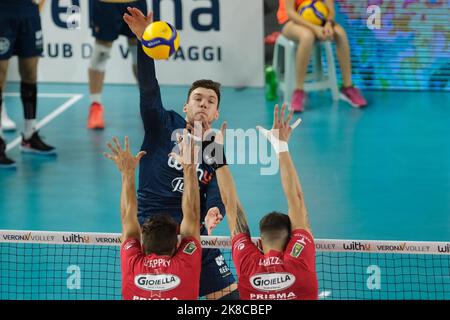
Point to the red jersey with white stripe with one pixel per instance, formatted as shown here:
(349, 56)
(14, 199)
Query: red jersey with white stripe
(156, 277)
(288, 275)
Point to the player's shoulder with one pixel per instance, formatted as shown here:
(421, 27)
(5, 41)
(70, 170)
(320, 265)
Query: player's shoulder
(129, 244)
(174, 121)
(178, 119)
(189, 246)
(300, 246)
(243, 243)
(302, 235)
(240, 237)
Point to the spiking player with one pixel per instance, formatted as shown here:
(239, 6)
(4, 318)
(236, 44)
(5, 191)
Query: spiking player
(161, 179)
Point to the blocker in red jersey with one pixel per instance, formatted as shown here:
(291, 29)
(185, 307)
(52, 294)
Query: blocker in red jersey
(285, 269)
(158, 269)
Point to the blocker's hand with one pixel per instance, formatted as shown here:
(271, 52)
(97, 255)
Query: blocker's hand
(281, 128)
(189, 150)
(124, 160)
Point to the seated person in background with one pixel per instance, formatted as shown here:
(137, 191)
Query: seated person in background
(306, 33)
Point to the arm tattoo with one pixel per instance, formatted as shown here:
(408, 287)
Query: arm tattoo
(241, 222)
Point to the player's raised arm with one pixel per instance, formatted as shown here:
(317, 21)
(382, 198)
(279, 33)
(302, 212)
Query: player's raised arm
(150, 95)
(237, 221)
(127, 163)
(279, 137)
(188, 157)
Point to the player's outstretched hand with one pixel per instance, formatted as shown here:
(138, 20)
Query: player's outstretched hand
(281, 129)
(189, 149)
(124, 160)
(137, 21)
(212, 219)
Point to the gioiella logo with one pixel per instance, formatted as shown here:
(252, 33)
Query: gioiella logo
(157, 282)
(272, 281)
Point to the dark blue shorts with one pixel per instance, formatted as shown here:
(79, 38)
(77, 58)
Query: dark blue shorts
(21, 36)
(216, 274)
(107, 19)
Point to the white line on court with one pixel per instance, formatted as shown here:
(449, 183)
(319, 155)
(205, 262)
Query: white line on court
(42, 95)
(74, 98)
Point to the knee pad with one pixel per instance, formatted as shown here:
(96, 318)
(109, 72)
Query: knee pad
(133, 52)
(99, 57)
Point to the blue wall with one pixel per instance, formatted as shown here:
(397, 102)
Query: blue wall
(411, 49)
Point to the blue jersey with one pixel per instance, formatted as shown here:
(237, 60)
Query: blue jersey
(160, 177)
(18, 8)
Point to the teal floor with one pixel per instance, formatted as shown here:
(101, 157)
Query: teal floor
(378, 173)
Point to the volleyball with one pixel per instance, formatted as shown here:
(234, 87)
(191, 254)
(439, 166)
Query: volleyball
(160, 40)
(313, 11)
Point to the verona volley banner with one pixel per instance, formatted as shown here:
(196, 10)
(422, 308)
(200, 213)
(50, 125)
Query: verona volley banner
(219, 39)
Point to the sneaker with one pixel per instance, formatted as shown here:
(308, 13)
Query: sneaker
(95, 119)
(36, 145)
(7, 124)
(5, 162)
(353, 97)
(298, 100)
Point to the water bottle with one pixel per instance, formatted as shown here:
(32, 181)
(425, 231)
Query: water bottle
(271, 84)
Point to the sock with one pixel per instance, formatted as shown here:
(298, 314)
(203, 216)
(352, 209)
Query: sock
(29, 128)
(96, 97)
(28, 93)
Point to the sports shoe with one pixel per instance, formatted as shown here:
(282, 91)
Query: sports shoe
(353, 97)
(36, 145)
(298, 100)
(5, 162)
(7, 123)
(95, 119)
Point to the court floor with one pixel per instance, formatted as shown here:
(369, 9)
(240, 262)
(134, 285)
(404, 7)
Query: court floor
(380, 173)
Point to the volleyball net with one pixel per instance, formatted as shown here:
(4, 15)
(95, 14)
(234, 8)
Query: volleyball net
(86, 266)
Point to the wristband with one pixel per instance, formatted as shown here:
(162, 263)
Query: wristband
(277, 144)
(282, 147)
